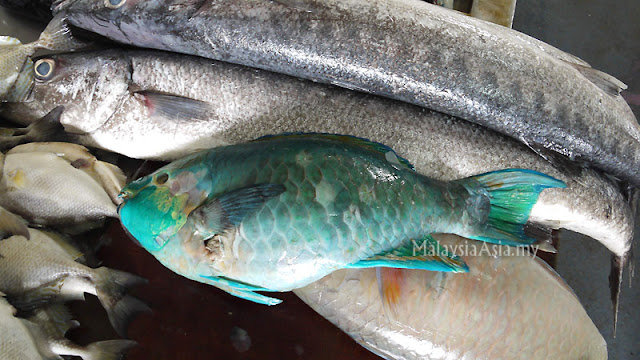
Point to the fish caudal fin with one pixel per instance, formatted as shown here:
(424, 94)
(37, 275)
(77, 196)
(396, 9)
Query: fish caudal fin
(57, 36)
(501, 202)
(108, 350)
(111, 288)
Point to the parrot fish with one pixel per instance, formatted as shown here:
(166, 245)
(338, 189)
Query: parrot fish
(407, 50)
(281, 212)
(509, 305)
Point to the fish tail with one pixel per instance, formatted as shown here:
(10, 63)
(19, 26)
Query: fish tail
(57, 36)
(501, 202)
(48, 128)
(111, 289)
(618, 264)
(108, 350)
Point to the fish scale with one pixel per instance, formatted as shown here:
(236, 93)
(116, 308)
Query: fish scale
(331, 225)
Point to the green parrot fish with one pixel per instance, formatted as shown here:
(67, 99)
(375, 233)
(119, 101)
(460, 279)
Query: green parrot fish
(280, 212)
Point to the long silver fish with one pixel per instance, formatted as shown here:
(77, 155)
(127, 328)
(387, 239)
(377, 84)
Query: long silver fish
(40, 270)
(509, 306)
(404, 49)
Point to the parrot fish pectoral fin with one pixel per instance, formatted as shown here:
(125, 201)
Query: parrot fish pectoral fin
(228, 209)
(426, 254)
(241, 290)
(512, 193)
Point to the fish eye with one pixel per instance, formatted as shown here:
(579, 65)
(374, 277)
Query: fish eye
(43, 69)
(162, 178)
(114, 4)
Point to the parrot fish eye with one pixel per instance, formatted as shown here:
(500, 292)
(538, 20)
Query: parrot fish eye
(43, 69)
(114, 4)
(162, 178)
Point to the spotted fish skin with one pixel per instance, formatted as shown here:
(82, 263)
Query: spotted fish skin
(339, 204)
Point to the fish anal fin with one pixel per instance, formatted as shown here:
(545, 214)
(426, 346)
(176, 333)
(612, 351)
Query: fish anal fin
(426, 254)
(605, 82)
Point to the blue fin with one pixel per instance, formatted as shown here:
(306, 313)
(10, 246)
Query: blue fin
(427, 254)
(241, 290)
(511, 194)
(376, 147)
(228, 209)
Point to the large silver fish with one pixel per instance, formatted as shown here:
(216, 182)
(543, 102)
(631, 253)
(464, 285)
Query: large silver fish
(155, 105)
(404, 49)
(16, 342)
(41, 270)
(506, 307)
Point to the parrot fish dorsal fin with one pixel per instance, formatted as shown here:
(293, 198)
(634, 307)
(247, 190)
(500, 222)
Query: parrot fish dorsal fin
(383, 150)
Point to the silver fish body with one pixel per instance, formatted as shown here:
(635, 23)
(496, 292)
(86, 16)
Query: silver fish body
(40, 270)
(506, 307)
(53, 188)
(16, 342)
(237, 104)
(404, 49)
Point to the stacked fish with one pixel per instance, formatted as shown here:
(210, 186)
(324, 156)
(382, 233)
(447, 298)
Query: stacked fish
(40, 269)
(316, 212)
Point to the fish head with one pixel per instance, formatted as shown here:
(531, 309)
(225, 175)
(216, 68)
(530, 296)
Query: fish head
(90, 88)
(155, 207)
(127, 21)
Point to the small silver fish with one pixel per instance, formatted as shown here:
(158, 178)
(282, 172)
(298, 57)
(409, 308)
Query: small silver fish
(59, 184)
(40, 271)
(508, 306)
(16, 66)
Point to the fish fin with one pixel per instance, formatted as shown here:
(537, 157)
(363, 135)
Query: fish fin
(57, 315)
(511, 194)
(544, 236)
(57, 36)
(111, 287)
(429, 255)
(21, 89)
(390, 285)
(228, 209)
(108, 350)
(383, 150)
(12, 224)
(241, 290)
(112, 179)
(9, 41)
(618, 264)
(35, 298)
(48, 128)
(174, 107)
(605, 82)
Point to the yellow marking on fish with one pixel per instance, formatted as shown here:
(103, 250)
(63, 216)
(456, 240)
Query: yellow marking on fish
(18, 179)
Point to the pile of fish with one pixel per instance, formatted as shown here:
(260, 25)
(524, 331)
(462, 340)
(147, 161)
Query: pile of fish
(319, 147)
